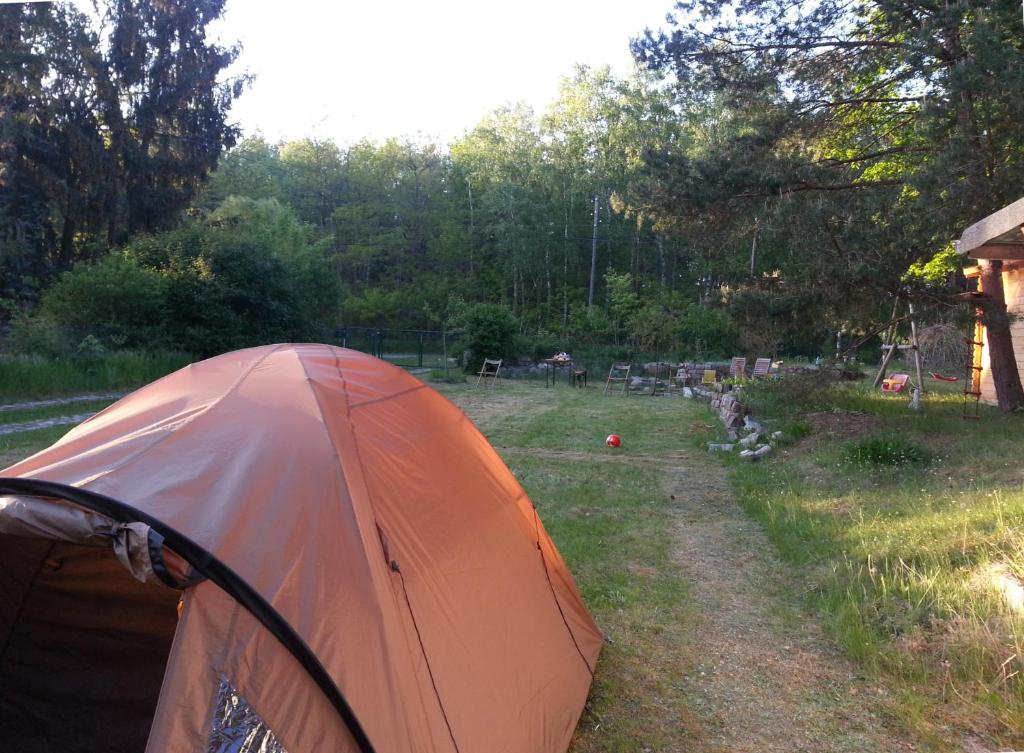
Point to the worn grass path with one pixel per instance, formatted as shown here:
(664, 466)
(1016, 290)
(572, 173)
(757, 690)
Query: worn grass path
(721, 656)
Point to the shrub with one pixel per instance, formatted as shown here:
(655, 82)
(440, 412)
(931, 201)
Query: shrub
(788, 394)
(114, 296)
(708, 332)
(545, 344)
(944, 348)
(885, 451)
(489, 332)
(246, 275)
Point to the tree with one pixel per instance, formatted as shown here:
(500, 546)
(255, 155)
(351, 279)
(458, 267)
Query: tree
(110, 124)
(863, 136)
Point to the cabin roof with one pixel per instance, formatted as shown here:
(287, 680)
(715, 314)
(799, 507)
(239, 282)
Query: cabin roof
(998, 236)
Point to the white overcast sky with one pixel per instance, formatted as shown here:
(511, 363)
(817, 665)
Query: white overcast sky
(429, 69)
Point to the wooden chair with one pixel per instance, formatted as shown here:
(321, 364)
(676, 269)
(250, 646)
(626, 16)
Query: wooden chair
(619, 372)
(491, 369)
(579, 378)
(710, 377)
(762, 367)
(738, 368)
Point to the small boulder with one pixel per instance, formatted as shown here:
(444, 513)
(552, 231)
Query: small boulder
(750, 440)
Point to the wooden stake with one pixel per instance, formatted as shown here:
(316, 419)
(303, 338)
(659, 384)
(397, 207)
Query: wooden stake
(891, 334)
(917, 350)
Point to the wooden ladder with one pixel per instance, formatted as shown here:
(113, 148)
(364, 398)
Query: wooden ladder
(972, 382)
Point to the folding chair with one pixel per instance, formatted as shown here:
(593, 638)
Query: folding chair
(490, 370)
(762, 367)
(680, 378)
(738, 367)
(619, 372)
(710, 377)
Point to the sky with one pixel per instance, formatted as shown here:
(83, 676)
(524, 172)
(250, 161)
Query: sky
(429, 70)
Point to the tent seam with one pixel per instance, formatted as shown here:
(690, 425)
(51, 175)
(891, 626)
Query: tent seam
(362, 472)
(554, 595)
(381, 399)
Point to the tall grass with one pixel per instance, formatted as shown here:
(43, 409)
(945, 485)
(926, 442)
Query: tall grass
(916, 567)
(34, 377)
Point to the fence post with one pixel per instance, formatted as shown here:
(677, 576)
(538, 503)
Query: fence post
(380, 343)
(420, 354)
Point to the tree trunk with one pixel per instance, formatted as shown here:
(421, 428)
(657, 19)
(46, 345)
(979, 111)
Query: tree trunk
(472, 232)
(565, 266)
(1003, 361)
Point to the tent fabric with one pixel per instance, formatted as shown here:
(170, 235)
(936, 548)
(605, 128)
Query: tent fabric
(73, 622)
(375, 519)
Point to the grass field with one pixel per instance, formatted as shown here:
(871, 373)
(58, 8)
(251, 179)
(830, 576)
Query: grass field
(32, 377)
(916, 565)
(712, 638)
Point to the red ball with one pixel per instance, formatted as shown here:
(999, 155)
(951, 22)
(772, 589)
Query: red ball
(613, 440)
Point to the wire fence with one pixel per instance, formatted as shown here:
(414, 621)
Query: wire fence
(409, 348)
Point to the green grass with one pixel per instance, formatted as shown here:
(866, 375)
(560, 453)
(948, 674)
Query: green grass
(908, 557)
(33, 377)
(611, 522)
(885, 451)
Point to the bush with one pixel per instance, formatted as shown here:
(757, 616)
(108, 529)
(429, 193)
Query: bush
(944, 348)
(885, 451)
(489, 331)
(545, 344)
(115, 294)
(708, 333)
(789, 394)
(247, 275)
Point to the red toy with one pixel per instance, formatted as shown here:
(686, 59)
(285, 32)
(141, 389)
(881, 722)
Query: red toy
(613, 440)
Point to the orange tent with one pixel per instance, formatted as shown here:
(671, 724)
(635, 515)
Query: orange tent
(327, 556)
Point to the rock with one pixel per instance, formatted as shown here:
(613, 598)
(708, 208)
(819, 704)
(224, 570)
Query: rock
(733, 435)
(754, 455)
(777, 435)
(720, 447)
(687, 393)
(750, 440)
(752, 424)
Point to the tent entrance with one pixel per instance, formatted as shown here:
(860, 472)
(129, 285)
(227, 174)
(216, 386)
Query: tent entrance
(83, 649)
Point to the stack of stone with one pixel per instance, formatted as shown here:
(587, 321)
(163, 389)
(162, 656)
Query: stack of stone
(730, 410)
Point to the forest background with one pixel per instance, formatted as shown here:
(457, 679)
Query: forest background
(772, 173)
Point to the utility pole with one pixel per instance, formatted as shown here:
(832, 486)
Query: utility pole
(593, 260)
(753, 249)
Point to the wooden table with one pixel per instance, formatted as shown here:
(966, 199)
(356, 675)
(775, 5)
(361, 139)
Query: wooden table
(556, 363)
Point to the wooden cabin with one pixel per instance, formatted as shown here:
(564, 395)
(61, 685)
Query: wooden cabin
(998, 236)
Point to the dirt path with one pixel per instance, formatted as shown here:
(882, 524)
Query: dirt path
(60, 401)
(43, 423)
(762, 676)
(769, 679)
